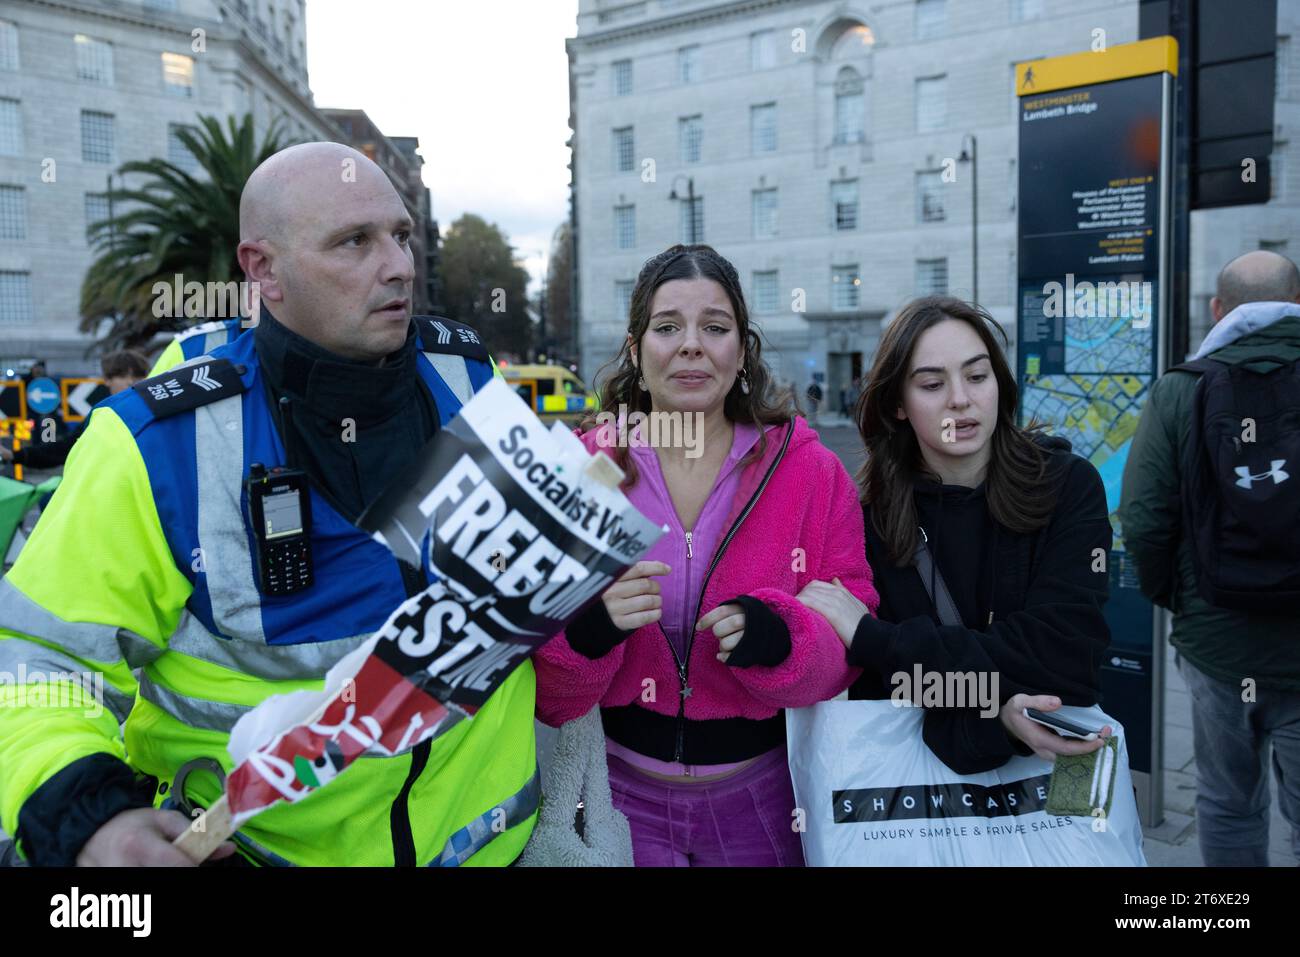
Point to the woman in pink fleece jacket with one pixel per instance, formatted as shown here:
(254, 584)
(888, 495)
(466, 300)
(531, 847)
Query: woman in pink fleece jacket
(694, 653)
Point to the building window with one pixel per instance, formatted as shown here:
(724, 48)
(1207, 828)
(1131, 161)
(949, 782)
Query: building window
(764, 205)
(94, 60)
(625, 226)
(846, 283)
(13, 213)
(762, 128)
(931, 19)
(178, 74)
(844, 204)
(178, 154)
(931, 104)
(766, 296)
(1277, 172)
(929, 197)
(850, 105)
(15, 297)
(1282, 69)
(1273, 246)
(688, 64)
(622, 299)
(11, 128)
(690, 138)
(96, 210)
(1026, 9)
(762, 49)
(853, 43)
(932, 277)
(691, 220)
(624, 157)
(622, 77)
(8, 45)
(96, 137)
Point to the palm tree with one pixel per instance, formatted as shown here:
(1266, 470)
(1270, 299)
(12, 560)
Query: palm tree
(174, 223)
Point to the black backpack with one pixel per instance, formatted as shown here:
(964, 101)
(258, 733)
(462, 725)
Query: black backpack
(1241, 485)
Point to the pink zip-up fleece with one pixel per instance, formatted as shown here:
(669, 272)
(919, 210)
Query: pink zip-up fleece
(806, 524)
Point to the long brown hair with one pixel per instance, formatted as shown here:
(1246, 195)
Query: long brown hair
(1020, 496)
(764, 405)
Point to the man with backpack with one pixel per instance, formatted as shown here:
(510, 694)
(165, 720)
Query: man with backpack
(1211, 516)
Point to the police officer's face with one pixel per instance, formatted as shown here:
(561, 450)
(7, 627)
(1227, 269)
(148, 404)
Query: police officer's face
(345, 273)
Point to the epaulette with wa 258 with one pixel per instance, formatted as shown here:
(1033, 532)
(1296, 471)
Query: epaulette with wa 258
(198, 382)
(438, 334)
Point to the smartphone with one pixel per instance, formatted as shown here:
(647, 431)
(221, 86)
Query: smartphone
(1062, 726)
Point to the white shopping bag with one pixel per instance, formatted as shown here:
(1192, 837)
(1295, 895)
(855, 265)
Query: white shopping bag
(875, 795)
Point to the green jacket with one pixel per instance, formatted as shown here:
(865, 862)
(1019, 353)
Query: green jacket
(1227, 645)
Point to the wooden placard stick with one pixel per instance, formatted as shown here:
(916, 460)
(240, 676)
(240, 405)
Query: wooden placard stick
(214, 826)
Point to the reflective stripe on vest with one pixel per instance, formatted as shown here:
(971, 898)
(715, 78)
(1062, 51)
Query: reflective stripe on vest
(195, 712)
(203, 338)
(216, 338)
(90, 642)
(300, 662)
(454, 372)
(480, 832)
(223, 541)
(461, 846)
(94, 642)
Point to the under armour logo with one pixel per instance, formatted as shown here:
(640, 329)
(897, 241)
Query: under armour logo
(204, 381)
(444, 334)
(468, 335)
(1275, 473)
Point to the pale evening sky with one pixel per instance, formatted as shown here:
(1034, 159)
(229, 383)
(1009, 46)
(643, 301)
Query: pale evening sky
(485, 87)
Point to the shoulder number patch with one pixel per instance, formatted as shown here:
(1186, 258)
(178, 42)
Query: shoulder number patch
(200, 382)
(448, 336)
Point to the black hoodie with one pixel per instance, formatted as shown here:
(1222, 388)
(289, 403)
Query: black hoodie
(1031, 607)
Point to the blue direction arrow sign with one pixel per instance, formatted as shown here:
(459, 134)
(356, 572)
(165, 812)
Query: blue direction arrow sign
(42, 395)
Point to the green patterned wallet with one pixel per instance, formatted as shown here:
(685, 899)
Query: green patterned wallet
(1081, 783)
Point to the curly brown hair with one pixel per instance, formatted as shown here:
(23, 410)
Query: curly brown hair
(765, 404)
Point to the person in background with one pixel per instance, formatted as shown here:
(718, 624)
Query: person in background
(121, 370)
(815, 395)
(695, 651)
(1015, 524)
(1222, 652)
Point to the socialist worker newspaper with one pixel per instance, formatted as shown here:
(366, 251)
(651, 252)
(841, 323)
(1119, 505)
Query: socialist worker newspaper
(518, 533)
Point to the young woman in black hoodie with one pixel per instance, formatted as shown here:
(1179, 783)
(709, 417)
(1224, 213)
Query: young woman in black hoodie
(1018, 528)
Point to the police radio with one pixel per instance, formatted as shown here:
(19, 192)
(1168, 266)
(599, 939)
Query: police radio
(280, 506)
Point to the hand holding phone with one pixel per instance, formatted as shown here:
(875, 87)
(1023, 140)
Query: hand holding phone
(1063, 726)
(1044, 739)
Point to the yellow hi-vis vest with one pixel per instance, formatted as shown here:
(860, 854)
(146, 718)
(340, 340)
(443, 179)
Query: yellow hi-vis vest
(141, 564)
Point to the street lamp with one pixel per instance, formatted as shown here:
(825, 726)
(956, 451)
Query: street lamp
(969, 156)
(690, 200)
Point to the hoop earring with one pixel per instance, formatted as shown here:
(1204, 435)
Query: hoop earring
(744, 383)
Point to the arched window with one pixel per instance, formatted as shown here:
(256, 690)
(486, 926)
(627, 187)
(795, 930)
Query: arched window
(850, 105)
(853, 43)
